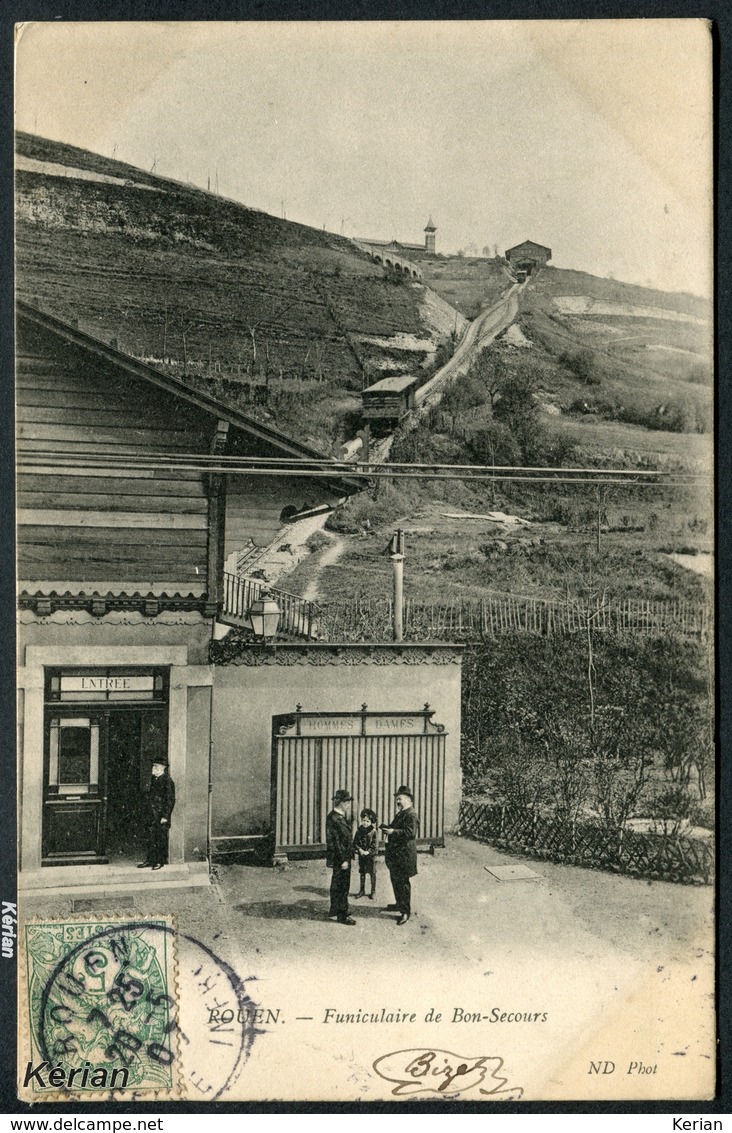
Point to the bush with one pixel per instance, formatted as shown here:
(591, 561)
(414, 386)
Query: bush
(581, 364)
(421, 445)
(702, 814)
(495, 444)
(462, 395)
(678, 415)
(559, 511)
(670, 805)
(555, 450)
(317, 541)
(383, 504)
(454, 560)
(519, 412)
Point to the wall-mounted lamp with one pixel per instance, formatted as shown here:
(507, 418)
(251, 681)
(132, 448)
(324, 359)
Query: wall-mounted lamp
(264, 614)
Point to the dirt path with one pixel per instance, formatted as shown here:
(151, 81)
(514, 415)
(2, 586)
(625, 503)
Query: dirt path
(550, 975)
(603, 967)
(328, 556)
(700, 564)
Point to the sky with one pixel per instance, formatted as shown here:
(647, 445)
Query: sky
(592, 137)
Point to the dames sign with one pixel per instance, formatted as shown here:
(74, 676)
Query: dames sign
(362, 724)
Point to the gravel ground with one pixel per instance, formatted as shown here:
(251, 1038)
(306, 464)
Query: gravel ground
(605, 967)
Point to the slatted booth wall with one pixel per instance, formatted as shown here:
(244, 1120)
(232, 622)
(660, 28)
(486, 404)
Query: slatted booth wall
(368, 753)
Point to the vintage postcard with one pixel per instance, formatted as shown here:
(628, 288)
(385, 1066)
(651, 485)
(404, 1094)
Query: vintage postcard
(365, 532)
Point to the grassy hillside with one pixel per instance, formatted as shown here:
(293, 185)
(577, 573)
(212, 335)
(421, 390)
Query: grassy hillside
(468, 283)
(636, 361)
(456, 552)
(585, 405)
(563, 281)
(260, 308)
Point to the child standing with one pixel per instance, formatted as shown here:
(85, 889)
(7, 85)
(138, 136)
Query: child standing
(365, 845)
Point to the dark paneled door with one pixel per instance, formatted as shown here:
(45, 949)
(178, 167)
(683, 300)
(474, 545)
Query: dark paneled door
(97, 771)
(134, 741)
(73, 809)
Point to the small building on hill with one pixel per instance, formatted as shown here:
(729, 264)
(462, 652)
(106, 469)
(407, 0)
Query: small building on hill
(528, 256)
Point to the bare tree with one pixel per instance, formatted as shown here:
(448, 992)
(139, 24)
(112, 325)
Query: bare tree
(185, 331)
(490, 369)
(165, 331)
(265, 321)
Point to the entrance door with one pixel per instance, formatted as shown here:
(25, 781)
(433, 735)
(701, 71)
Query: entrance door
(98, 769)
(73, 819)
(135, 739)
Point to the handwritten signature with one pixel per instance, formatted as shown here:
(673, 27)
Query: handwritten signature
(441, 1072)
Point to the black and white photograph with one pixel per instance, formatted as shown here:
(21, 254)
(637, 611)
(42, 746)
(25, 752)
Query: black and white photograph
(365, 561)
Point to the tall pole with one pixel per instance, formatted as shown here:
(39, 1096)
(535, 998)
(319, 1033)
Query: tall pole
(398, 561)
(397, 558)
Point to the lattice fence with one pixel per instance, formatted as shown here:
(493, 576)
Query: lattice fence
(371, 619)
(640, 853)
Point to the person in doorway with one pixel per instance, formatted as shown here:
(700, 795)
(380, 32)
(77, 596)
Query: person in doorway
(401, 853)
(160, 801)
(365, 845)
(339, 851)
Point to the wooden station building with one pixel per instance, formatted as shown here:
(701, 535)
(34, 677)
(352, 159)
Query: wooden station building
(528, 256)
(123, 532)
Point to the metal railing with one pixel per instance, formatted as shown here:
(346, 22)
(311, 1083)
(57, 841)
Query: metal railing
(297, 616)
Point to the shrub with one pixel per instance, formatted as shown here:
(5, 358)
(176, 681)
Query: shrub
(421, 445)
(518, 410)
(581, 364)
(555, 450)
(702, 814)
(559, 511)
(317, 541)
(462, 395)
(495, 444)
(383, 504)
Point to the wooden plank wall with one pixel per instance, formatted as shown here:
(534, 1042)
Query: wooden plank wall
(106, 529)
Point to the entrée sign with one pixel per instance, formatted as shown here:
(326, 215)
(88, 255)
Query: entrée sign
(132, 683)
(360, 725)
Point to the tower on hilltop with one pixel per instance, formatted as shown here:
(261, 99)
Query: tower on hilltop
(429, 236)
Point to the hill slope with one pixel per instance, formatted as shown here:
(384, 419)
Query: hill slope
(284, 319)
(621, 365)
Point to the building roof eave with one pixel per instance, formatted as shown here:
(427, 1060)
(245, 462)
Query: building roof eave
(287, 446)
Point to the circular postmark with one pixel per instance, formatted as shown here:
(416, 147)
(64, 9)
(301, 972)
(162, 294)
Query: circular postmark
(126, 1009)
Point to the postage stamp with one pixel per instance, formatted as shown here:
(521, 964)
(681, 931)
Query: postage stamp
(105, 1015)
(101, 999)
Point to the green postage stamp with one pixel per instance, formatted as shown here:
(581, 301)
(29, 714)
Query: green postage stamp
(100, 997)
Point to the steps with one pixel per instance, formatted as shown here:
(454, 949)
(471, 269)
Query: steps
(109, 880)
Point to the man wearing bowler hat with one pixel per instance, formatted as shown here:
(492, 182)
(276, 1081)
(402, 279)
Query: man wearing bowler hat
(401, 853)
(339, 850)
(160, 803)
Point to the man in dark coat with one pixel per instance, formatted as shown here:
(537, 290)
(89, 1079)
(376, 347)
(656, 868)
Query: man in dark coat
(339, 851)
(160, 801)
(401, 853)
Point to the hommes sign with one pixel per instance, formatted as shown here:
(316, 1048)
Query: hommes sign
(358, 725)
(362, 723)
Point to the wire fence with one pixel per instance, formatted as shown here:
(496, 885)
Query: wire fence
(662, 856)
